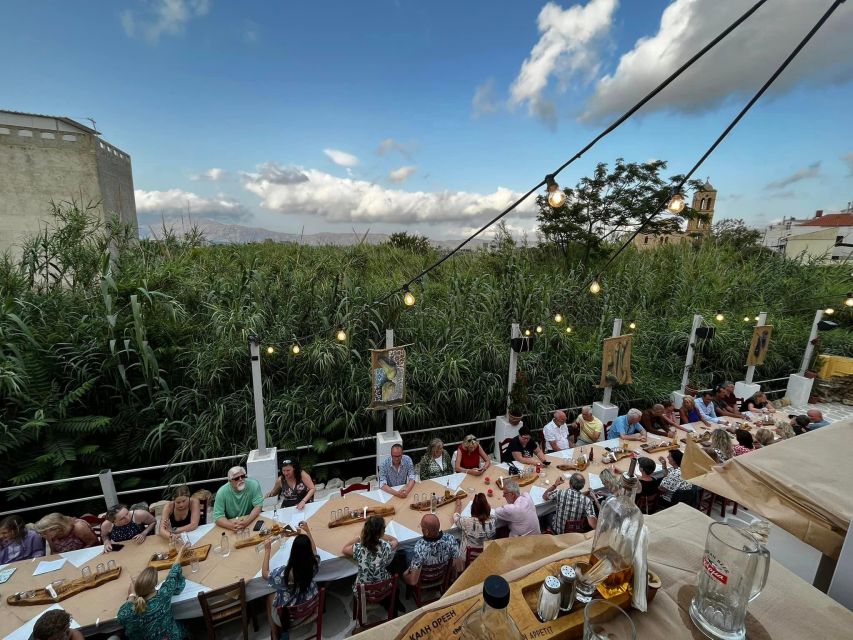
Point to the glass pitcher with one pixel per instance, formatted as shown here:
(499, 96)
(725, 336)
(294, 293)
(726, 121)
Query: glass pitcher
(734, 572)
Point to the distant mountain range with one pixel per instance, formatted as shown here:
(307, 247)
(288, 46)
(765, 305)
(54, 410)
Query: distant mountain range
(221, 233)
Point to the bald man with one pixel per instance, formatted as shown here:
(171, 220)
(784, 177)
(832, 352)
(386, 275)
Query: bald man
(436, 547)
(556, 433)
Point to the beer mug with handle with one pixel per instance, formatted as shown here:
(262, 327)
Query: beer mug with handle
(734, 571)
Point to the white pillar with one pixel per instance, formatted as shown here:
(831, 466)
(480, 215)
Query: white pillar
(807, 356)
(261, 463)
(688, 361)
(108, 487)
(603, 410)
(258, 394)
(750, 371)
(503, 429)
(515, 332)
(389, 413)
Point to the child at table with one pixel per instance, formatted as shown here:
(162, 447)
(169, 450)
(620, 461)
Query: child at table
(17, 542)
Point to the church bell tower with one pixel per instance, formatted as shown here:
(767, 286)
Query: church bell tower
(703, 202)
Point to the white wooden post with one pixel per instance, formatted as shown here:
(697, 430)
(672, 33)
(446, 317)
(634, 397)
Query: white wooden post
(108, 488)
(258, 394)
(389, 413)
(807, 356)
(515, 332)
(603, 410)
(688, 361)
(617, 331)
(750, 371)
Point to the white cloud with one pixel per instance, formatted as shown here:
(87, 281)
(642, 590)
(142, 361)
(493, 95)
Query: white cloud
(179, 202)
(567, 50)
(348, 200)
(251, 32)
(160, 17)
(402, 174)
(485, 99)
(214, 174)
(811, 171)
(341, 158)
(737, 66)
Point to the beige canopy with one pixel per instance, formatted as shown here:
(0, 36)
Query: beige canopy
(803, 485)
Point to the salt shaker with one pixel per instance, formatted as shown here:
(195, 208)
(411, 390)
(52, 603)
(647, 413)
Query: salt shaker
(567, 587)
(548, 607)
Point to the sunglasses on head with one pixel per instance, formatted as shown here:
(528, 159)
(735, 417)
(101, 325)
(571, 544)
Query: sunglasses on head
(243, 477)
(284, 463)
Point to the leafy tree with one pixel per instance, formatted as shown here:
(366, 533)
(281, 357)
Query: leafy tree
(609, 204)
(414, 242)
(735, 233)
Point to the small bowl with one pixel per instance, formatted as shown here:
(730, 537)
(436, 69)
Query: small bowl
(652, 587)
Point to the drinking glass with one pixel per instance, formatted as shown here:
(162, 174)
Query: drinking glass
(603, 620)
(340, 513)
(334, 515)
(416, 499)
(347, 512)
(194, 563)
(734, 572)
(584, 591)
(111, 565)
(86, 572)
(99, 568)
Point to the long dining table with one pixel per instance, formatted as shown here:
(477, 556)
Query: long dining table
(96, 609)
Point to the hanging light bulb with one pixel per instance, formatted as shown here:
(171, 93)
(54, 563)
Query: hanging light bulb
(527, 332)
(341, 336)
(829, 311)
(295, 349)
(849, 300)
(719, 317)
(408, 298)
(556, 196)
(676, 204)
(746, 318)
(756, 318)
(568, 329)
(633, 325)
(558, 318)
(595, 287)
(270, 350)
(538, 328)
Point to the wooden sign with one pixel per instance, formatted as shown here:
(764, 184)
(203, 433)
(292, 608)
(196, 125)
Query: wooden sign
(616, 361)
(759, 345)
(387, 377)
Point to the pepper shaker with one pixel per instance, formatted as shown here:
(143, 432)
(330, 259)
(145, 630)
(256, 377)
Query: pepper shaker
(567, 588)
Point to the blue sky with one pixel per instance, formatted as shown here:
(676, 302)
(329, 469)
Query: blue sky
(274, 114)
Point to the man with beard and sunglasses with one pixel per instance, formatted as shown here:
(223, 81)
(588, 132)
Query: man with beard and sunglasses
(238, 503)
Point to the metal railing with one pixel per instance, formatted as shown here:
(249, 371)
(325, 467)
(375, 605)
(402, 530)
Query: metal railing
(327, 463)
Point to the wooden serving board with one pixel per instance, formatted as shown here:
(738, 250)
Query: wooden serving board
(358, 516)
(660, 447)
(523, 479)
(70, 588)
(199, 553)
(625, 453)
(285, 532)
(444, 623)
(425, 506)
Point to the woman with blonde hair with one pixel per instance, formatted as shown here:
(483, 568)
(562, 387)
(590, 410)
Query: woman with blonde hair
(764, 437)
(470, 457)
(181, 514)
(721, 445)
(435, 462)
(147, 614)
(65, 533)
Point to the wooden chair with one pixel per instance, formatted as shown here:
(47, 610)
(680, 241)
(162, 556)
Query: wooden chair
(432, 577)
(374, 593)
(95, 523)
(301, 615)
(707, 500)
(225, 604)
(354, 487)
(471, 554)
(502, 447)
(647, 504)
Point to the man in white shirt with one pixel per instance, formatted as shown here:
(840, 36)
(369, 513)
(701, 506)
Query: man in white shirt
(556, 433)
(519, 512)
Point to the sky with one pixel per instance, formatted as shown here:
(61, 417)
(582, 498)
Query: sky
(431, 117)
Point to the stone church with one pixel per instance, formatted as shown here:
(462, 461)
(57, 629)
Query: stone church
(703, 201)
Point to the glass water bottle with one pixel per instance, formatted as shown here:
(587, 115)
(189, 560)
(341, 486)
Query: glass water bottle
(492, 621)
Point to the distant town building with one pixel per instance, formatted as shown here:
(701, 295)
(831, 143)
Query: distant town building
(44, 158)
(703, 201)
(828, 236)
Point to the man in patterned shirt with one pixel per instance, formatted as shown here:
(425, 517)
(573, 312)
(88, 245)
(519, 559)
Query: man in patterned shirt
(436, 547)
(571, 503)
(672, 481)
(397, 470)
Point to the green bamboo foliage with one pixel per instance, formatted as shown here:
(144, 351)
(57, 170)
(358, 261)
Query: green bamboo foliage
(142, 358)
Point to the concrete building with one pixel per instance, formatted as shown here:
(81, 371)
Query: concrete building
(703, 200)
(827, 236)
(44, 158)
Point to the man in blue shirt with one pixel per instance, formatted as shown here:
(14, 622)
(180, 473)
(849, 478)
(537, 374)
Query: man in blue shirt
(397, 470)
(628, 427)
(705, 407)
(816, 418)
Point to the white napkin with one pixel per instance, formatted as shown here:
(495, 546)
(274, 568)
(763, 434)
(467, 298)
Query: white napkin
(453, 480)
(190, 592)
(537, 494)
(82, 556)
(613, 443)
(46, 566)
(379, 495)
(199, 533)
(26, 630)
(595, 482)
(400, 532)
(565, 454)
